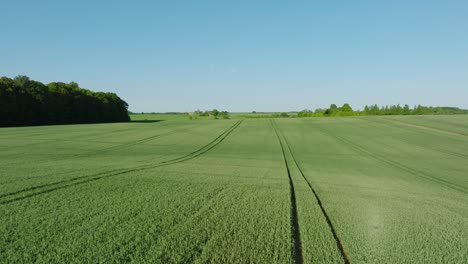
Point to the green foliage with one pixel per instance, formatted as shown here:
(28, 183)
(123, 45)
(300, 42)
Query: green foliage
(406, 110)
(224, 115)
(305, 113)
(347, 110)
(27, 102)
(213, 114)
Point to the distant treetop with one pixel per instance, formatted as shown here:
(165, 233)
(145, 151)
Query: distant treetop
(346, 110)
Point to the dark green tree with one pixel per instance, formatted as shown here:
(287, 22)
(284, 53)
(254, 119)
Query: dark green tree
(27, 102)
(346, 108)
(214, 113)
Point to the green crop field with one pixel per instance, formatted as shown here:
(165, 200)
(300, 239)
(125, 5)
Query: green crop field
(294, 190)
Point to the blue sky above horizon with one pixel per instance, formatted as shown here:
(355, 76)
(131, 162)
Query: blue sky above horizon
(244, 55)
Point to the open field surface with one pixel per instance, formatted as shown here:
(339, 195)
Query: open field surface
(158, 117)
(319, 190)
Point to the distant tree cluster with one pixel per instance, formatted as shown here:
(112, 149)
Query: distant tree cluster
(26, 102)
(346, 110)
(333, 110)
(281, 115)
(157, 113)
(215, 114)
(406, 110)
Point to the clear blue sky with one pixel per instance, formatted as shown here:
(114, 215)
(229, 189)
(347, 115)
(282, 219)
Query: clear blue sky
(244, 55)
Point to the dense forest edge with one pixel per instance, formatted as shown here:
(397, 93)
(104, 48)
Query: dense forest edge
(25, 102)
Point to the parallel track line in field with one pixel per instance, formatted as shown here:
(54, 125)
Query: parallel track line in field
(338, 241)
(105, 172)
(23, 179)
(406, 168)
(398, 165)
(428, 128)
(120, 146)
(32, 188)
(103, 175)
(67, 138)
(449, 152)
(135, 142)
(444, 151)
(70, 139)
(124, 145)
(295, 232)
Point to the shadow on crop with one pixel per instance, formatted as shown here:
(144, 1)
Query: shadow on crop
(145, 121)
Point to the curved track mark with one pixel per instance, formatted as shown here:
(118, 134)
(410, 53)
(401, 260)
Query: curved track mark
(444, 151)
(103, 175)
(132, 143)
(428, 128)
(398, 165)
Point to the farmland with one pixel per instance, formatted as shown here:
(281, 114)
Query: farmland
(309, 190)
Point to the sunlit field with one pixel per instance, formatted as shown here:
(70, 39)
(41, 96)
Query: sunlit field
(328, 190)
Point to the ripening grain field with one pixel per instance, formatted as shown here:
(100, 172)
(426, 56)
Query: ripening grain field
(320, 190)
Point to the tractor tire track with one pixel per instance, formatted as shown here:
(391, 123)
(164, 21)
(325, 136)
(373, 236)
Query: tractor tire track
(207, 147)
(81, 137)
(415, 172)
(32, 188)
(107, 174)
(405, 128)
(444, 151)
(128, 144)
(428, 128)
(124, 145)
(67, 138)
(338, 241)
(295, 232)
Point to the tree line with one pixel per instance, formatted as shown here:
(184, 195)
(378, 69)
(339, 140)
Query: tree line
(197, 114)
(347, 110)
(25, 102)
(215, 114)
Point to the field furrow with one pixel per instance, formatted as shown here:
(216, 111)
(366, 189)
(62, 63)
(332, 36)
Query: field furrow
(295, 231)
(285, 190)
(339, 243)
(321, 219)
(398, 165)
(429, 128)
(382, 210)
(50, 187)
